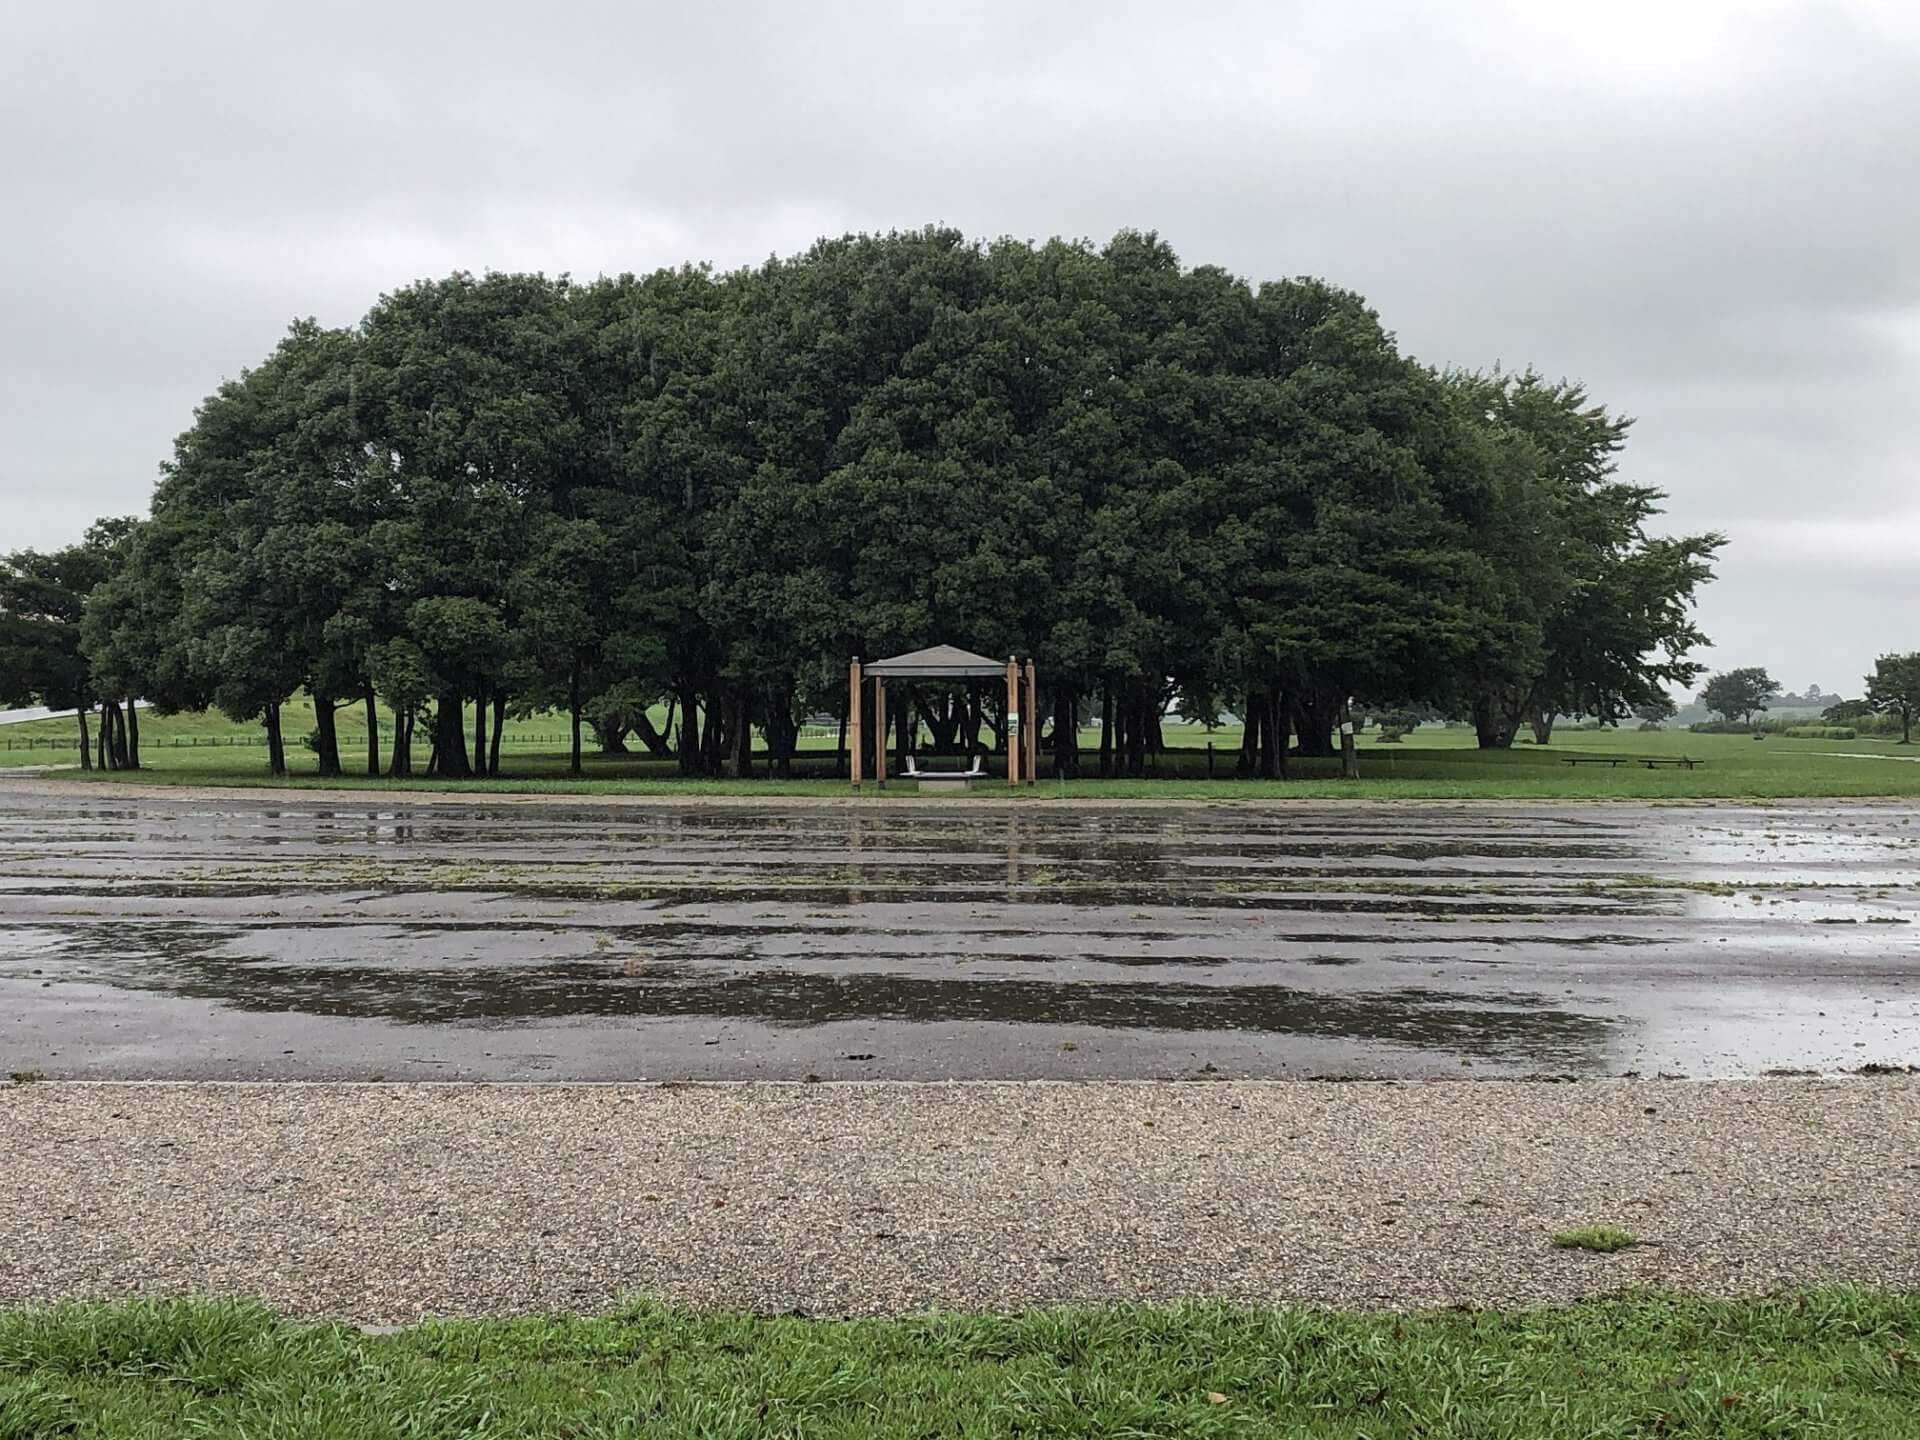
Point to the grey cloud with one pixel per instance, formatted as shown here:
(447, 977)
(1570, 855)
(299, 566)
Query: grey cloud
(1706, 211)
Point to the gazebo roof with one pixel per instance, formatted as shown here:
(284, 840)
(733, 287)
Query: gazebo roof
(938, 662)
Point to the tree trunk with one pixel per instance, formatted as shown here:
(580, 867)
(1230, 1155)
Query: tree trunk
(689, 738)
(1314, 708)
(373, 731)
(1131, 740)
(840, 770)
(783, 736)
(480, 733)
(402, 764)
(327, 734)
(499, 729)
(1349, 753)
(743, 737)
(133, 738)
(86, 740)
(112, 746)
(276, 747)
(573, 710)
(1491, 727)
(1281, 712)
(943, 724)
(1106, 732)
(654, 740)
(1263, 705)
(450, 739)
(1066, 735)
(1542, 723)
(713, 755)
(903, 728)
(104, 740)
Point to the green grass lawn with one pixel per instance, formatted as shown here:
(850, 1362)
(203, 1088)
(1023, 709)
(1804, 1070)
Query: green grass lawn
(1431, 763)
(1839, 1364)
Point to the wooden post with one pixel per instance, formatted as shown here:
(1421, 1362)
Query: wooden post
(854, 752)
(880, 731)
(1031, 772)
(1015, 740)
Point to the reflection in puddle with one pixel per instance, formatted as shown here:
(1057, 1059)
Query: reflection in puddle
(1559, 939)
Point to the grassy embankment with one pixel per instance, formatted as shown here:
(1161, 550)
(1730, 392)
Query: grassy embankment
(1432, 763)
(1839, 1364)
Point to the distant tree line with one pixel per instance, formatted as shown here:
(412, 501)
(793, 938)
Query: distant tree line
(1892, 699)
(508, 493)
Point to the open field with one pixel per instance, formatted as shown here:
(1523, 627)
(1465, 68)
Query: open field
(1828, 1363)
(1432, 763)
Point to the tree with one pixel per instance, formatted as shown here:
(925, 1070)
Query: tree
(43, 598)
(1656, 710)
(1894, 687)
(1848, 712)
(711, 489)
(1596, 612)
(1739, 695)
(562, 594)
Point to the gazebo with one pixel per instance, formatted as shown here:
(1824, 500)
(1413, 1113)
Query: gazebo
(942, 662)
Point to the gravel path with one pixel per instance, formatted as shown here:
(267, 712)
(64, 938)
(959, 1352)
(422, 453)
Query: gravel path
(384, 1203)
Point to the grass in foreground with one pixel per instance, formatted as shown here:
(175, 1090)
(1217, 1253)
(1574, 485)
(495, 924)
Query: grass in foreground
(1823, 1364)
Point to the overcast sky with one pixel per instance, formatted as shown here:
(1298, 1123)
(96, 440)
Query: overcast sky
(1709, 212)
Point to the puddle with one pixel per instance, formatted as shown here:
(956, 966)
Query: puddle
(188, 938)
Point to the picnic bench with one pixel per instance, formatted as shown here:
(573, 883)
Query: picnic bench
(935, 781)
(1652, 762)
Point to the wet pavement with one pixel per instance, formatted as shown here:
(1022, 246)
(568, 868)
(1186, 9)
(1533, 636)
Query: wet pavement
(169, 935)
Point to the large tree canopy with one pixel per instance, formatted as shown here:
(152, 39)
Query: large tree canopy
(1166, 485)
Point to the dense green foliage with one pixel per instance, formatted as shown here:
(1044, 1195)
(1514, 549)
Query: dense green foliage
(1738, 695)
(1166, 485)
(43, 599)
(1894, 687)
(1836, 1364)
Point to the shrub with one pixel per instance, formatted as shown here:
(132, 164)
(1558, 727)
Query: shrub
(1651, 725)
(1822, 732)
(1604, 1239)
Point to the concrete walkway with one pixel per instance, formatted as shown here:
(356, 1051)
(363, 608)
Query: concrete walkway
(384, 1203)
